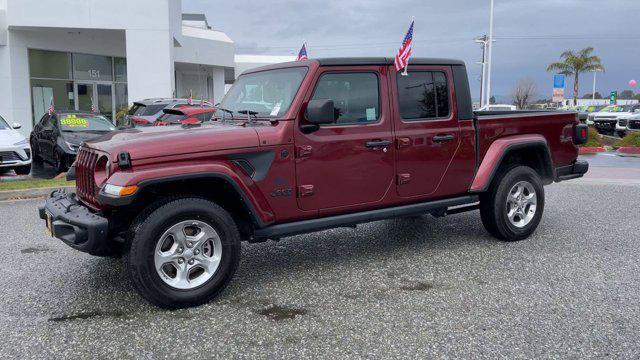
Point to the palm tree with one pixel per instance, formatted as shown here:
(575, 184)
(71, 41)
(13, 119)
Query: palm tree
(573, 64)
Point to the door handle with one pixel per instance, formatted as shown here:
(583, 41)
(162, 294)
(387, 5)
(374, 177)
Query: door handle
(442, 138)
(378, 143)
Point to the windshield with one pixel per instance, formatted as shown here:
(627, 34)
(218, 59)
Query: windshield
(616, 108)
(142, 110)
(3, 124)
(85, 122)
(269, 93)
(171, 118)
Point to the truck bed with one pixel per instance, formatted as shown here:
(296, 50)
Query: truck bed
(555, 126)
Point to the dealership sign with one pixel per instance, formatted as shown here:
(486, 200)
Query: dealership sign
(558, 88)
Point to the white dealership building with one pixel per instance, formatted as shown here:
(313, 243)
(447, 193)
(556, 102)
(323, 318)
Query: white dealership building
(108, 53)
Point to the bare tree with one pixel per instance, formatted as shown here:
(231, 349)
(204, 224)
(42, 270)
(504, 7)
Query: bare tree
(523, 92)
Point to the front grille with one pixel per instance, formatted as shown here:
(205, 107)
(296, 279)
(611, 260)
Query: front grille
(634, 124)
(86, 187)
(9, 156)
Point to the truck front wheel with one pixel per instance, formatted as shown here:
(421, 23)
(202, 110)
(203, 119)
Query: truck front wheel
(512, 207)
(183, 253)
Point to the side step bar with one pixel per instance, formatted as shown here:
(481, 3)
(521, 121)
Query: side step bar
(330, 222)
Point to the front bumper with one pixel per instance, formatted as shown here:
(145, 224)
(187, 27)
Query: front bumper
(573, 171)
(11, 157)
(74, 224)
(605, 124)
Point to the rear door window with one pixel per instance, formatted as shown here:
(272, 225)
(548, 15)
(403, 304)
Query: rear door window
(423, 95)
(355, 96)
(145, 110)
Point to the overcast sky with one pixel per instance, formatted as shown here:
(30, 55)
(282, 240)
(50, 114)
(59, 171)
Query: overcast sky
(444, 28)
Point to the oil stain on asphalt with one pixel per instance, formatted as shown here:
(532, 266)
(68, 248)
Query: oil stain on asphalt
(417, 286)
(279, 313)
(33, 250)
(88, 315)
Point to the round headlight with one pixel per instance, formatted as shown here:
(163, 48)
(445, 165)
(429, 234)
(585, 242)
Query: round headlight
(101, 172)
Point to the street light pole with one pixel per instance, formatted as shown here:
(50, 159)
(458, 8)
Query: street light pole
(483, 40)
(593, 93)
(490, 50)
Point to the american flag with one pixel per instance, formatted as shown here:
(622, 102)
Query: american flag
(94, 109)
(51, 108)
(302, 54)
(402, 58)
(190, 100)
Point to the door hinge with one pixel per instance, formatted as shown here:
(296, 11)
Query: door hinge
(303, 151)
(305, 190)
(403, 178)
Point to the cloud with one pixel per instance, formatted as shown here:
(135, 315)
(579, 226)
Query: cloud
(538, 32)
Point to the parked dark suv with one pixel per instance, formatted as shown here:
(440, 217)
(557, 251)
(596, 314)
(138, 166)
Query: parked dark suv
(56, 137)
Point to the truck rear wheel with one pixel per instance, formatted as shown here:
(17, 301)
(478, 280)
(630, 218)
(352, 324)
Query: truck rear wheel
(512, 207)
(183, 253)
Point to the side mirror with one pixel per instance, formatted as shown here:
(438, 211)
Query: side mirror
(320, 112)
(17, 125)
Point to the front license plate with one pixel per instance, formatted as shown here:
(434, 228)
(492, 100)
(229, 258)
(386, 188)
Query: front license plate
(49, 225)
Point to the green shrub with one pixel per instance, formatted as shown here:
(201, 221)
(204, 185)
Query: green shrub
(632, 139)
(594, 138)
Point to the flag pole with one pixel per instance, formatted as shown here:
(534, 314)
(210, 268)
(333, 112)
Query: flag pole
(404, 72)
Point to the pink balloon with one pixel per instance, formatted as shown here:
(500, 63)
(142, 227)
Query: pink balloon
(632, 83)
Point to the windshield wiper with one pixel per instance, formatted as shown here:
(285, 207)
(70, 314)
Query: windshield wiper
(249, 113)
(227, 111)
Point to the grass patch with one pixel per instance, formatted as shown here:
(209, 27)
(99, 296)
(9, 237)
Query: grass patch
(32, 184)
(631, 140)
(594, 138)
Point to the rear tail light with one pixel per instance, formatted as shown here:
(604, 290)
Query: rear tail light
(580, 134)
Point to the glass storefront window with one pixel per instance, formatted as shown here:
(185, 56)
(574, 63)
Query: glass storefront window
(122, 101)
(92, 67)
(49, 64)
(43, 90)
(120, 69)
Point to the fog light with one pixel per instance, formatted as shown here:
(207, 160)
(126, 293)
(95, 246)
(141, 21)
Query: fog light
(116, 190)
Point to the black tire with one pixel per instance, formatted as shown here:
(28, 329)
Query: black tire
(35, 153)
(147, 230)
(493, 204)
(59, 161)
(621, 134)
(22, 170)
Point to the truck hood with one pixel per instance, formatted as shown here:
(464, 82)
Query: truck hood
(157, 141)
(612, 114)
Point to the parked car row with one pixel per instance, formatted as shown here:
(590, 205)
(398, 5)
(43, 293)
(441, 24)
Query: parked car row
(613, 119)
(609, 119)
(57, 136)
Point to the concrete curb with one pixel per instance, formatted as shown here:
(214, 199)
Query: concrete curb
(628, 151)
(30, 193)
(591, 150)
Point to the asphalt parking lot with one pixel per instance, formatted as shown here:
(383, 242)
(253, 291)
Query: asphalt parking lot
(398, 288)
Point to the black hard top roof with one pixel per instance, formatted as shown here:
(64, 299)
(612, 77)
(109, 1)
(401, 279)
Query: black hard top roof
(384, 61)
(350, 61)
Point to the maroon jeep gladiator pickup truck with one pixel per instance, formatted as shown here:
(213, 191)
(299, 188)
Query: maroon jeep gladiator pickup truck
(307, 146)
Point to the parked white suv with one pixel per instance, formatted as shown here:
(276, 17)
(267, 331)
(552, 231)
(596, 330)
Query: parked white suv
(606, 120)
(15, 152)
